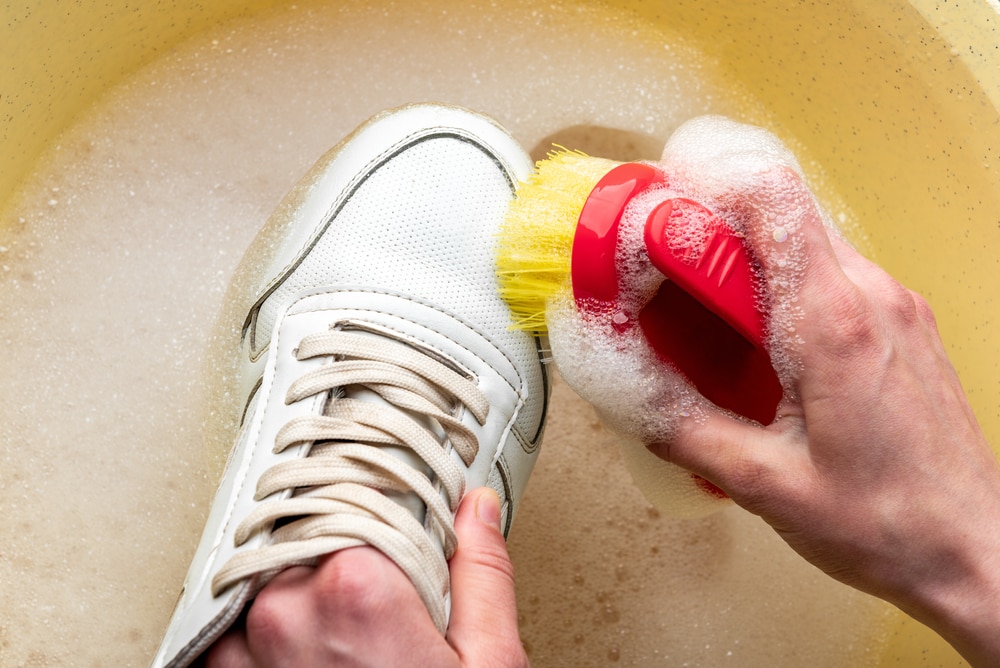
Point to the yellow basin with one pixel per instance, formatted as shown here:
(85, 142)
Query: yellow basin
(892, 108)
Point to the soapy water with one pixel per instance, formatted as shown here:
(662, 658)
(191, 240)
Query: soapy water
(746, 177)
(114, 262)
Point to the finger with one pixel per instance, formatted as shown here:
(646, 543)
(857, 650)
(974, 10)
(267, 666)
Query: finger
(814, 307)
(484, 611)
(745, 461)
(230, 651)
(785, 229)
(875, 281)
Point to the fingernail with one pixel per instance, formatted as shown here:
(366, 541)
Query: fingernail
(488, 508)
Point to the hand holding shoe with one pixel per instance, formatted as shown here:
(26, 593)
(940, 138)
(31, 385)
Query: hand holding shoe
(357, 608)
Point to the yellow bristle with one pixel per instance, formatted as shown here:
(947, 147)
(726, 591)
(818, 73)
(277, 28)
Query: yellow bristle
(536, 239)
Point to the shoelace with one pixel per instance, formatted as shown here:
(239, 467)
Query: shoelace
(335, 497)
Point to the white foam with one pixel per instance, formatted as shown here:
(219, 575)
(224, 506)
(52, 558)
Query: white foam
(635, 395)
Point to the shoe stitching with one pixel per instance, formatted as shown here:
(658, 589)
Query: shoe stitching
(529, 446)
(252, 442)
(503, 472)
(345, 194)
(363, 309)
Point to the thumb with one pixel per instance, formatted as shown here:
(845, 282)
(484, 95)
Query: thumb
(743, 460)
(483, 628)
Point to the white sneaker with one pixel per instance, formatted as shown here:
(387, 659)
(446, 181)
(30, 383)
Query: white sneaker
(380, 373)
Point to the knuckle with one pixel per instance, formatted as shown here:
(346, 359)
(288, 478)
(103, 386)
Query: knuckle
(266, 621)
(923, 310)
(760, 477)
(852, 323)
(751, 483)
(749, 478)
(901, 304)
(348, 585)
(492, 558)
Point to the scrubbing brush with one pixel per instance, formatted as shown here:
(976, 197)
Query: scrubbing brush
(610, 251)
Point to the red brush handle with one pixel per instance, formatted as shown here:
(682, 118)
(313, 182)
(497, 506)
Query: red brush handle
(596, 240)
(717, 272)
(704, 319)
